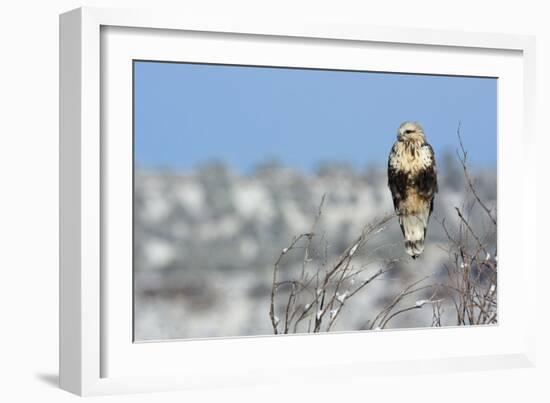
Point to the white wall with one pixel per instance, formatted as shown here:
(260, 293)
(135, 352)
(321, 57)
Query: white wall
(29, 186)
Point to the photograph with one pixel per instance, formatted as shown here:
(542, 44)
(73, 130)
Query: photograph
(273, 200)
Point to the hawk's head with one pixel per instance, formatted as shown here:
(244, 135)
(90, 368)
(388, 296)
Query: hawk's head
(410, 131)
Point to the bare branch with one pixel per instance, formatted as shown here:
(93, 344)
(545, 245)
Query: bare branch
(462, 158)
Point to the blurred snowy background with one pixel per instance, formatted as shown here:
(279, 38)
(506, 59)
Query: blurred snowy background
(206, 241)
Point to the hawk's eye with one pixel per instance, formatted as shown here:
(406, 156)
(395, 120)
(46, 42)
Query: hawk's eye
(408, 131)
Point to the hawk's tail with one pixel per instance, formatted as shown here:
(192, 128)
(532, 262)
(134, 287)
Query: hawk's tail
(414, 248)
(414, 231)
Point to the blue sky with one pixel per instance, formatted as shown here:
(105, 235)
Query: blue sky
(190, 114)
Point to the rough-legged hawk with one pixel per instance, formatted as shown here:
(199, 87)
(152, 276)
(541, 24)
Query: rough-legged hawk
(412, 179)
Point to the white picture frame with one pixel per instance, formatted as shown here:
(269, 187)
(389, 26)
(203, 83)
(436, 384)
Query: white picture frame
(97, 353)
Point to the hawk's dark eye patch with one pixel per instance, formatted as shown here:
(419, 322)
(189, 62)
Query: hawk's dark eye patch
(409, 131)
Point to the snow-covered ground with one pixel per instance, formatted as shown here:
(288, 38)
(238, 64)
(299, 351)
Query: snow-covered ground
(206, 242)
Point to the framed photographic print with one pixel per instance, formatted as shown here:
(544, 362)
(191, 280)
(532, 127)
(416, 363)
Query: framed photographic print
(245, 202)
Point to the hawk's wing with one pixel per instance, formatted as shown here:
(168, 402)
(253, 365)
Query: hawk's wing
(397, 181)
(426, 181)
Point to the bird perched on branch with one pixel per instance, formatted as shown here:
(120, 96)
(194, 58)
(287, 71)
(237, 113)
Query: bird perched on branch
(412, 179)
